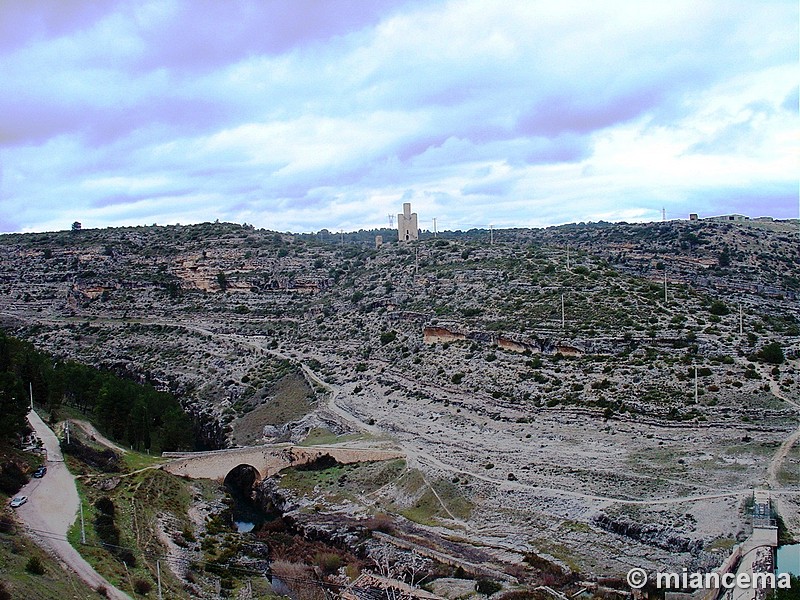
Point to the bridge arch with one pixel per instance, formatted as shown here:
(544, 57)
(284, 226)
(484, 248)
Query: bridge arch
(242, 479)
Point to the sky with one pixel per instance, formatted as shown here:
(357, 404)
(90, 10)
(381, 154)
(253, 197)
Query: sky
(298, 115)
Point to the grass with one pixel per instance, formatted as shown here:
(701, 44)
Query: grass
(321, 436)
(560, 553)
(575, 526)
(134, 461)
(343, 481)
(425, 508)
(726, 543)
(15, 551)
(138, 500)
(288, 399)
(352, 482)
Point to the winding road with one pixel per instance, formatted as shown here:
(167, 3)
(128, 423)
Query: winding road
(52, 508)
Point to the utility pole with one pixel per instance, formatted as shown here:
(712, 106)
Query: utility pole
(695, 384)
(30, 383)
(416, 260)
(563, 318)
(665, 282)
(391, 221)
(83, 526)
(491, 235)
(434, 227)
(158, 572)
(741, 320)
(663, 214)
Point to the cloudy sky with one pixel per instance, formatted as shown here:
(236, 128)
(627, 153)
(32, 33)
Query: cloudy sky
(297, 115)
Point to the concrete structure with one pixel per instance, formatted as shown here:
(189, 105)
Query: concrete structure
(754, 555)
(407, 227)
(378, 241)
(268, 459)
(729, 218)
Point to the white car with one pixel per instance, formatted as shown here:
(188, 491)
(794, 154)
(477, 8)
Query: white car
(18, 501)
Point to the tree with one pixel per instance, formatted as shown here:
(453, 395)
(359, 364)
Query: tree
(724, 258)
(222, 281)
(718, 308)
(772, 353)
(13, 405)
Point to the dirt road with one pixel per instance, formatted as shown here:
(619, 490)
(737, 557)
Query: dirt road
(98, 437)
(53, 506)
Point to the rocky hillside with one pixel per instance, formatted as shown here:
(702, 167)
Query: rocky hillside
(613, 361)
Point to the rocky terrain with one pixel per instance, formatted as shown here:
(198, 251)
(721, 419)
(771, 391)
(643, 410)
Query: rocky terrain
(599, 395)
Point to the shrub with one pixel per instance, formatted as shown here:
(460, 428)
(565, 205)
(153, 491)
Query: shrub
(34, 566)
(142, 587)
(4, 593)
(487, 586)
(105, 506)
(457, 378)
(329, 562)
(718, 308)
(11, 478)
(6, 524)
(772, 353)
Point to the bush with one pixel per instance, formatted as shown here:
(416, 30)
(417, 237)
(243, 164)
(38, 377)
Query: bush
(487, 586)
(4, 593)
(718, 308)
(772, 353)
(388, 337)
(457, 378)
(11, 478)
(329, 562)
(34, 566)
(6, 524)
(105, 506)
(142, 587)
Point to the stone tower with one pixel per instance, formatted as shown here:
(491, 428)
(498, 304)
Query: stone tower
(407, 228)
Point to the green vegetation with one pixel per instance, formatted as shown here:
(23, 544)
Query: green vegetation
(133, 414)
(772, 353)
(121, 524)
(29, 572)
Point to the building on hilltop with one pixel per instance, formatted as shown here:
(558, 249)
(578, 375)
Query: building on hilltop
(725, 218)
(407, 228)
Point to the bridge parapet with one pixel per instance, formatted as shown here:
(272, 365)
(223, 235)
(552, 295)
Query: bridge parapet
(268, 459)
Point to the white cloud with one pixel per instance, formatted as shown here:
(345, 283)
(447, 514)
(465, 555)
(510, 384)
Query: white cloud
(521, 113)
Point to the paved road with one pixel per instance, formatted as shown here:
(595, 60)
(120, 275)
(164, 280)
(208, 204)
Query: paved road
(53, 506)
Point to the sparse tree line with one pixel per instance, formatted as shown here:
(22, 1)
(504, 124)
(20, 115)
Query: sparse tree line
(133, 414)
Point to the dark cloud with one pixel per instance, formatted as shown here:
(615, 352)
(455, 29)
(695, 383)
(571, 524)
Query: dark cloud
(205, 34)
(36, 20)
(585, 113)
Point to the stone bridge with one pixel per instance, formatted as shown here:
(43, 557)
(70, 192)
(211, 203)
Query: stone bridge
(267, 460)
